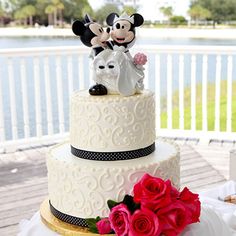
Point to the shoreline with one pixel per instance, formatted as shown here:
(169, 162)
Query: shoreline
(142, 32)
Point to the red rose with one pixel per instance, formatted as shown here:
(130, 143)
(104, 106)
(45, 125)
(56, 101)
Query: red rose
(144, 222)
(119, 218)
(152, 192)
(192, 203)
(104, 226)
(173, 218)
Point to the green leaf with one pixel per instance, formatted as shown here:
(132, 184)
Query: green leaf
(92, 224)
(129, 202)
(111, 204)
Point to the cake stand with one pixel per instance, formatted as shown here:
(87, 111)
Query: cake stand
(61, 227)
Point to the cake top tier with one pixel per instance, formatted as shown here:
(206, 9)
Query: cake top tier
(115, 71)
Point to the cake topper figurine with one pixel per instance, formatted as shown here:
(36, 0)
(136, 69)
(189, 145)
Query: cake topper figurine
(115, 71)
(92, 35)
(123, 28)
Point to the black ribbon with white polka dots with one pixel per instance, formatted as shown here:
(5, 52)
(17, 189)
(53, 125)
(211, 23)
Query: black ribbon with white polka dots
(67, 218)
(113, 156)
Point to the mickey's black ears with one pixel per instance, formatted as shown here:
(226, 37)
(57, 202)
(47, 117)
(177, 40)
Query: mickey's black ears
(78, 28)
(110, 18)
(138, 19)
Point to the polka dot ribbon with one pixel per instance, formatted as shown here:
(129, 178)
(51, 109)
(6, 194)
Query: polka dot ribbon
(67, 218)
(113, 156)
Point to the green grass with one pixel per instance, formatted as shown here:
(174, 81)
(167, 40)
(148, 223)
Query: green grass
(210, 108)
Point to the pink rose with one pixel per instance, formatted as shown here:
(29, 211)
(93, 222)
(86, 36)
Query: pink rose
(144, 222)
(173, 218)
(119, 218)
(152, 192)
(192, 203)
(140, 59)
(104, 226)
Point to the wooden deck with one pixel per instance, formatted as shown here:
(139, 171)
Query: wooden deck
(23, 178)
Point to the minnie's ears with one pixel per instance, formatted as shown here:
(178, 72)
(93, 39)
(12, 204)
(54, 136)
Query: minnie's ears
(78, 28)
(138, 19)
(110, 18)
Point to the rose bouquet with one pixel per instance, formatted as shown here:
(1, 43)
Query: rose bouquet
(156, 208)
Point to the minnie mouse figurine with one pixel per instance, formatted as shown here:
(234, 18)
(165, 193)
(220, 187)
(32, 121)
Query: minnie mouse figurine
(123, 28)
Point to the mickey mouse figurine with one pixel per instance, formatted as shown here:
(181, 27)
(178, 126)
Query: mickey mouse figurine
(92, 35)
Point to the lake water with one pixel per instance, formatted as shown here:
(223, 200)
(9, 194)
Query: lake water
(19, 42)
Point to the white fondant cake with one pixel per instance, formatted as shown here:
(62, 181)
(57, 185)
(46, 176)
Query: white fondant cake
(112, 123)
(81, 188)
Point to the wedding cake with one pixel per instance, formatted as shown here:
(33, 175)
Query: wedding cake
(112, 130)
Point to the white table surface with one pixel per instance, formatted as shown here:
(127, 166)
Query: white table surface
(217, 217)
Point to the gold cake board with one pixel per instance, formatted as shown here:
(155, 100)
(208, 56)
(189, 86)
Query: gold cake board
(59, 226)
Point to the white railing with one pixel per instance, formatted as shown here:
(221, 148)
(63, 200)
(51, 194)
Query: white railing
(36, 83)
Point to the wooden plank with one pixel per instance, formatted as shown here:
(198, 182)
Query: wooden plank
(189, 172)
(204, 182)
(9, 230)
(21, 190)
(33, 181)
(14, 215)
(19, 203)
(15, 220)
(198, 176)
(28, 193)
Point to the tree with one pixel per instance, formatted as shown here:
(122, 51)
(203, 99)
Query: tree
(104, 11)
(220, 9)
(20, 16)
(178, 20)
(76, 9)
(130, 10)
(2, 14)
(167, 12)
(29, 11)
(52, 10)
(23, 10)
(197, 12)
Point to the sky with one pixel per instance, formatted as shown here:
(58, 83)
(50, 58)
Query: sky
(149, 8)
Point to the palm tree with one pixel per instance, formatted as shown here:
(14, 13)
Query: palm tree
(2, 14)
(52, 9)
(20, 16)
(167, 11)
(29, 11)
(198, 12)
(49, 10)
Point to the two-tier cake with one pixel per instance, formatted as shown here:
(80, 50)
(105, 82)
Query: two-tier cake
(112, 130)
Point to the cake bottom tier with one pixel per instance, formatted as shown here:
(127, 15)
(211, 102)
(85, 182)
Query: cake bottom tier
(80, 188)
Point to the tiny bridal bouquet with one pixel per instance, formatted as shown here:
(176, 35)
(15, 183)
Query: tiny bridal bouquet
(156, 208)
